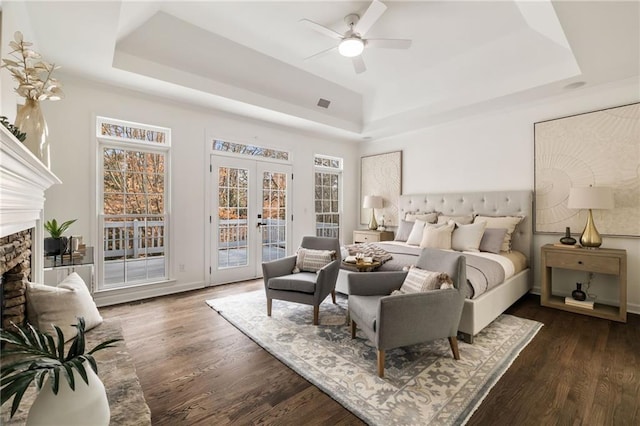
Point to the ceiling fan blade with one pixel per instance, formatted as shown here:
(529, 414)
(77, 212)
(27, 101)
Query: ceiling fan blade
(322, 29)
(373, 13)
(321, 53)
(358, 64)
(389, 43)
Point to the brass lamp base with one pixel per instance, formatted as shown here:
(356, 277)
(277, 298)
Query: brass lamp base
(590, 236)
(373, 224)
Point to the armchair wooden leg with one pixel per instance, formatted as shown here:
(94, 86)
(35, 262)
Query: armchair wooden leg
(316, 313)
(353, 329)
(380, 363)
(333, 296)
(269, 307)
(453, 342)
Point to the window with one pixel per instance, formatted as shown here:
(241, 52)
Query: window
(250, 150)
(133, 203)
(328, 192)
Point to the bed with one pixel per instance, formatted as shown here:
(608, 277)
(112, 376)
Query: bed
(479, 309)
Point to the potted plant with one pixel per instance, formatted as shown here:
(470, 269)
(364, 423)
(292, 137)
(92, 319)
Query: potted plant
(56, 244)
(69, 390)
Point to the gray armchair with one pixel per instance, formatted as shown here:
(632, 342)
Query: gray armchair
(309, 288)
(403, 320)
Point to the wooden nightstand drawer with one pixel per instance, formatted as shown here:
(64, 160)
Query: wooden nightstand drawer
(372, 236)
(584, 262)
(363, 237)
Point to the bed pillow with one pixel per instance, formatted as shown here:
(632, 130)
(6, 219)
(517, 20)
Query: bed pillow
(427, 217)
(420, 280)
(310, 260)
(416, 232)
(492, 240)
(61, 305)
(437, 236)
(507, 222)
(468, 237)
(403, 231)
(460, 219)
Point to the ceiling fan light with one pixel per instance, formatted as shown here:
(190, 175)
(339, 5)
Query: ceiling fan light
(351, 47)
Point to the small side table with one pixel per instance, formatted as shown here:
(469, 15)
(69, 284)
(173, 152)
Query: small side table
(602, 261)
(56, 268)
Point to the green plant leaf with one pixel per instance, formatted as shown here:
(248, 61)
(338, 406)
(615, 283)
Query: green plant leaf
(55, 380)
(16, 387)
(106, 344)
(83, 372)
(51, 344)
(66, 225)
(70, 379)
(60, 342)
(40, 376)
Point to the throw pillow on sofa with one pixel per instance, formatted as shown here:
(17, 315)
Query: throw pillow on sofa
(61, 305)
(421, 280)
(310, 260)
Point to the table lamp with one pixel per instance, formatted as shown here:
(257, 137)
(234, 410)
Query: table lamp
(372, 202)
(590, 198)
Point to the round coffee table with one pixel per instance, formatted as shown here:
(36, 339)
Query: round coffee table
(362, 266)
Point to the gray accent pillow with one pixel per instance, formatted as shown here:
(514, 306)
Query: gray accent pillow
(402, 234)
(492, 240)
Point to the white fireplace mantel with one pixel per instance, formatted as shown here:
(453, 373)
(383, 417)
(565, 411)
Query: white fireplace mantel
(23, 180)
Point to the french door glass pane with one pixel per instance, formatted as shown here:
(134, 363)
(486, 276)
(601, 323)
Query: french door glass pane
(274, 201)
(233, 191)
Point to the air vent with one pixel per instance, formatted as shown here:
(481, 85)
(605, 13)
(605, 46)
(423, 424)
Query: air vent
(323, 103)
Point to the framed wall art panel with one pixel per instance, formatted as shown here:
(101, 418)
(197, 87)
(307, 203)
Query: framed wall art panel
(381, 174)
(600, 148)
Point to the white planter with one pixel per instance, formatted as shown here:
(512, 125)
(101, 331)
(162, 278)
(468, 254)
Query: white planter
(87, 405)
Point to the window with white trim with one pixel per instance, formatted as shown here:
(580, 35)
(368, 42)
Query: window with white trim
(133, 203)
(328, 195)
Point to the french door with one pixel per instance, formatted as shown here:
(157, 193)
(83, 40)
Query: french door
(250, 217)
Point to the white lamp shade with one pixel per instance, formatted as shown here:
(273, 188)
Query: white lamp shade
(372, 202)
(590, 198)
(351, 47)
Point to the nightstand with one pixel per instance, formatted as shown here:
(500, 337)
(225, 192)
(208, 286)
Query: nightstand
(367, 236)
(601, 261)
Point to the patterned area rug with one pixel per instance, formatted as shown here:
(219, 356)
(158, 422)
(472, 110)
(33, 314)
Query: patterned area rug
(423, 384)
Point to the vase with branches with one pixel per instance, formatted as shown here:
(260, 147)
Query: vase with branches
(35, 83)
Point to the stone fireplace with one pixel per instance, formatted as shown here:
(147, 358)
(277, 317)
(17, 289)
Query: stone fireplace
(15, 272)
(23, 180)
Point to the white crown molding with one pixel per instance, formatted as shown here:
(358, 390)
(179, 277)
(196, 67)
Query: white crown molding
(23, 180)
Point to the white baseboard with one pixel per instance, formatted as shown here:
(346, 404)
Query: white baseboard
(130, 294)
(632, 308)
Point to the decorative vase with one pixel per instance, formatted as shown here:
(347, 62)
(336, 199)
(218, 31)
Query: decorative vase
(55, 246)
(87, 405)
(30, 120)
(567, 239)
(578, 294)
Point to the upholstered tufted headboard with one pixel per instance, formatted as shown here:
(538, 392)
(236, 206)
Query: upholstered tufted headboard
(498, 203)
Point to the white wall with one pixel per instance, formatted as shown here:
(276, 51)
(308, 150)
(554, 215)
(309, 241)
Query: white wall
(494, 151)
(72, 129)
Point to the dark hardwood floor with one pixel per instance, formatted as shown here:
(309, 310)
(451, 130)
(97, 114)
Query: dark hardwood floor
(196, 368)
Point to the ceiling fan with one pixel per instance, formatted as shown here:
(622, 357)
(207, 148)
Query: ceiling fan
(352, 42)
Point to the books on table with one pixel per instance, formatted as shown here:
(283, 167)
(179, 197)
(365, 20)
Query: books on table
(586, 304)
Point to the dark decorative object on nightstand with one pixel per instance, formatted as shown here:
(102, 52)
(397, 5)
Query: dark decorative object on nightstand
(578, 294)
(567, 239)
